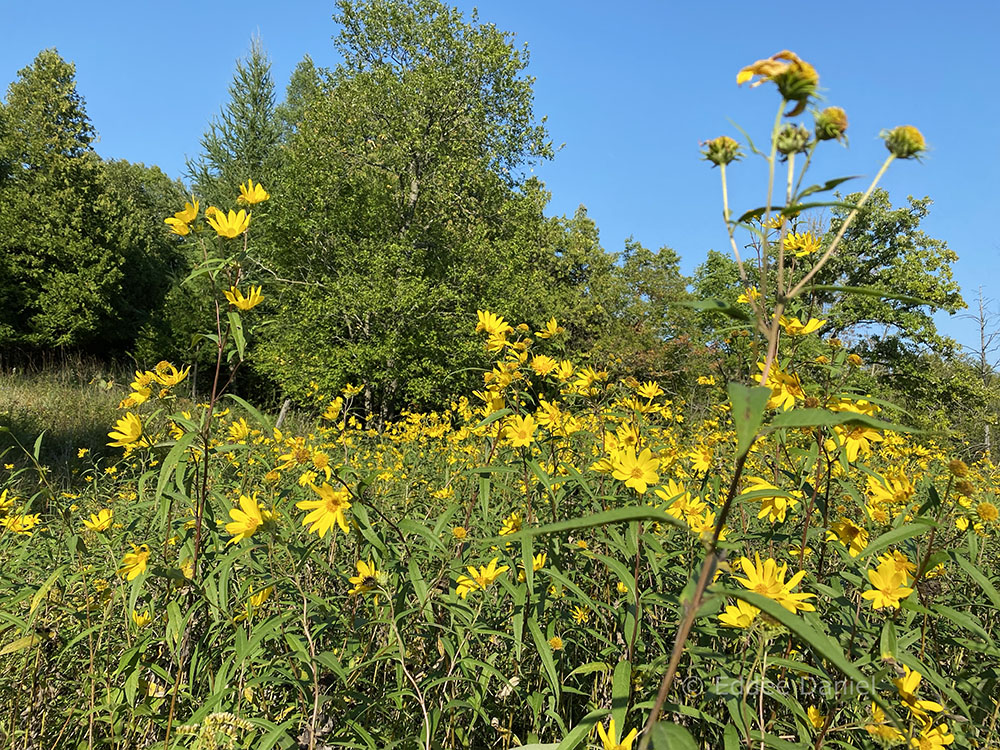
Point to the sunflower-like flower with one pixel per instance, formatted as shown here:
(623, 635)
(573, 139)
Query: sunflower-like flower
(228, 225)
(235, 298)
(796, 79)
(251, 194)
(330, 509)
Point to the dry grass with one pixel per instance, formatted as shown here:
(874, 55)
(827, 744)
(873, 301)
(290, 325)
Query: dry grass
(72, 402)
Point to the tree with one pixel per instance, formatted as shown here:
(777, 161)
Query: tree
(885, 249)
(402, 163)
(242, 142)
(83, 250)
(56, 283)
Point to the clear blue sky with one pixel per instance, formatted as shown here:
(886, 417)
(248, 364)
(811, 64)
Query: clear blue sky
(631, 88)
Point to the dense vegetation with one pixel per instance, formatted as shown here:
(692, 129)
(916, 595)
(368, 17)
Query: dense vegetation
(752, 508)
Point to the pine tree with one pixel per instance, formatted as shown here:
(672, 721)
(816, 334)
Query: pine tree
(55, 283)
(242, 142)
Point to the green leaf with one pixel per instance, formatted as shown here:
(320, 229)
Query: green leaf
(822, 644)
(20, 644)
(797, 418)
(667, 736)
(828, 185)
(580, 732)
(499, 414)
(871, 292)
(545, 654)
(716, 305)
(236, 330)
(44, 589)
(979, 577)
(170, 462)
(605, 518)
(261, 419)
(748, 404)
(895, 536)
(621, 691)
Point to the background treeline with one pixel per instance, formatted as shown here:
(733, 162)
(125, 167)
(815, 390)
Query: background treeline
(401, 203)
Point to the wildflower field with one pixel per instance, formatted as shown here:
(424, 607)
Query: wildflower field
(564, 556)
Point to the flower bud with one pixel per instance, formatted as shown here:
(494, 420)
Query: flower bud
(964, 487)
(958, 468)
(792, 139)
(795, 78)
(721, 151)
(904, 142)
(831, 123)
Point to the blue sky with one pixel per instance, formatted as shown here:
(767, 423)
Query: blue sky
(630, 92)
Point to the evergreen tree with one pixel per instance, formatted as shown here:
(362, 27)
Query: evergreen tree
(56, 283)
(242, 142)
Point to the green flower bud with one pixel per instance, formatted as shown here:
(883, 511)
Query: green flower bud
(904, 142)
(831, 123)
(792, 139)
(722, 150)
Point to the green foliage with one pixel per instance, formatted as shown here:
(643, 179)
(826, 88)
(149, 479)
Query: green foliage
(242, 141)
(83, 256)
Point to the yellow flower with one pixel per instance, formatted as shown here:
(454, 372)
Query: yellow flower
(796, 79)
(480, 579)
(904, 142)
(636, 471)
(251, 194)
(740, 616)
(134, 562)
(142, 619)
(932, 738)
(880, 729)
(609, 738)
(492, 324)
(785, 388)
(706, 380)
(21, 523)
(366, 579)
(581, 615)
(180, 222)
(511, 524)
(538, 561)
(459, 532)
(773, 507)
(649, 390)
(907, 686)
(987, 512)
(889, 589)
(520, 430)
(815, 717)
(543, 365)
(177, 226)
(326, 511)
(768, 579)
(801, 244)
(127, 431)
(246, 520)
(795, 327)
(101, 521)
(556, 643)
(551, 329)
(231, 225)
(850, 535)
(190, 212)
(257, 598)
(901, 563)
(239, 430)
(236, 298)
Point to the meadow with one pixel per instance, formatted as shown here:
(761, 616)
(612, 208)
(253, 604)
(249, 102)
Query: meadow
(565, 556)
